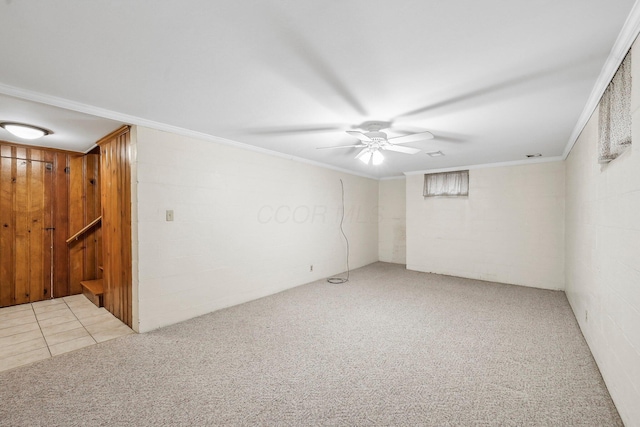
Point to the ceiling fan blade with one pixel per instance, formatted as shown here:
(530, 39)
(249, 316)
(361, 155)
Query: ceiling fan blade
(411, 138)
(361, 136)
(405, 150)
(315, 61)
(340, 146)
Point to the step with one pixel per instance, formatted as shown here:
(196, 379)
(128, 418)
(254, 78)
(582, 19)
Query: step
(93, 290)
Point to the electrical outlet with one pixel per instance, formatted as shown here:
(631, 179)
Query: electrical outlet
(169, 215)
(586, 315)
(311, 268)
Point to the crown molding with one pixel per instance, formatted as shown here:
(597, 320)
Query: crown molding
(532, 161)
(623, 43)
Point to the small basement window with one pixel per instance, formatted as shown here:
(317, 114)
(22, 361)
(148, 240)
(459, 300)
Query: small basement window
(446, 184)
(615, 114)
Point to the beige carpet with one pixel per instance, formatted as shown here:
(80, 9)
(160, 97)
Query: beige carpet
(391, 347)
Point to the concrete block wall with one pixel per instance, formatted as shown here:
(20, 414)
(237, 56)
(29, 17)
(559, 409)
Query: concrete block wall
(245, 225)
(392, 228)
(509, 229)
(603, 256)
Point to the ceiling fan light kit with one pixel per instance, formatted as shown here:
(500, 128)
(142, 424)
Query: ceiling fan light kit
(364, 156)
(377, 158)
(373, 155)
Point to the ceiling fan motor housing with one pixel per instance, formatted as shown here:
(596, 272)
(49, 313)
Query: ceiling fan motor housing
(377, 136)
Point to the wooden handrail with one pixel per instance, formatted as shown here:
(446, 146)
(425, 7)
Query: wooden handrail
(84, 229)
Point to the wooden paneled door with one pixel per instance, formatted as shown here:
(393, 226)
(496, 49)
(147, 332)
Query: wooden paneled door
(26, 229)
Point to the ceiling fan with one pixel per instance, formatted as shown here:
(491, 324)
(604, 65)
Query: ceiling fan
(373, 142)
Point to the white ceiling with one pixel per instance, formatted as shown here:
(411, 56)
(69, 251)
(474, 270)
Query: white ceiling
(493, 80)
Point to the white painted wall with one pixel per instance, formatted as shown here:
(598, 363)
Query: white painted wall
(603, 256)
(392, 228)
(510, 229)
(246, 225)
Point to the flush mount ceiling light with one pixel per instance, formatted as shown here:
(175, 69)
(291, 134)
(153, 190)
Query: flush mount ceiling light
(435, 154)
(25, 131)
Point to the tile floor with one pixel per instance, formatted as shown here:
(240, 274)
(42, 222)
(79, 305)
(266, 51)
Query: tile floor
(36, 331)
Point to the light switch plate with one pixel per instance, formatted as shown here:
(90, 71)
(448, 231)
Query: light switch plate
(169, 215)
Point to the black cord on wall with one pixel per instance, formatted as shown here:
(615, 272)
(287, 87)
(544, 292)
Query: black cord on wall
(339, 280)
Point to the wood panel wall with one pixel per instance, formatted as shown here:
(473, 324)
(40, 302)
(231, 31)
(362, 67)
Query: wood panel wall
(115, 173)
(85, 253)
(26, 224)
(68, 202)
(61, 223)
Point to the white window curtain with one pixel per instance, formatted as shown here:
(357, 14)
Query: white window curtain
(446, 184)
(615, 114)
